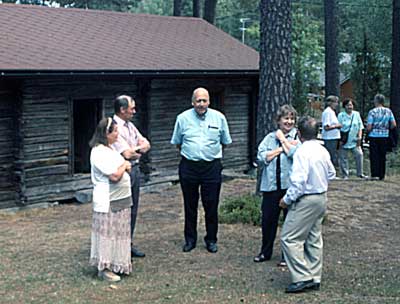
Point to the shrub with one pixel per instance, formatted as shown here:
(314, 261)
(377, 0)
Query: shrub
(243, 209)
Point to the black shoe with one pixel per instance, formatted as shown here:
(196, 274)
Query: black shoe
(137, 254)
(282, 263)
(212, 247)
(260, 258)
(315, 286)
(300, 286)
(188, 247)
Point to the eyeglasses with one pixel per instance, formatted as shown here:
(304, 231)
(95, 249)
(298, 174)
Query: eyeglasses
(201, 100)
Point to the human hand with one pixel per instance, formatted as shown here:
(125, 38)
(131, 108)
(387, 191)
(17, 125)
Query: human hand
(279, 135)
(128, 166)
(282, 204)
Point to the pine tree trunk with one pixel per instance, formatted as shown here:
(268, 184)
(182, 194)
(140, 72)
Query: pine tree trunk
(209, 10)
(275, 66)
(196, 8)
(332, 81)
(395, 74)
(177, 7)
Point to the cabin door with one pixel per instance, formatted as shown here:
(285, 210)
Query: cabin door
(86, 115)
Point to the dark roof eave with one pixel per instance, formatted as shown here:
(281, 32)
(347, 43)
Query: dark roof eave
(43, 73)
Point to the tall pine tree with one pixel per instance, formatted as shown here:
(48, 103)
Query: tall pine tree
(395, 74)
(275, 55)
(332, 85)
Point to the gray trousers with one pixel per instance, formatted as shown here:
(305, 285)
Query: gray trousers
(344, 162)
(135, 186)
(301, 238)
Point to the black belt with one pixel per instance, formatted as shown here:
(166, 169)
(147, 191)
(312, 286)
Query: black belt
(133, 162)
(200, 162)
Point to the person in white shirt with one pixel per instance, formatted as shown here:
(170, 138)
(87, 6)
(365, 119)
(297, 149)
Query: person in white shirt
(110, 238)
(301, 237)
(331, 128)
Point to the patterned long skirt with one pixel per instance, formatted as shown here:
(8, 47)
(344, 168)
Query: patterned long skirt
(111, 241)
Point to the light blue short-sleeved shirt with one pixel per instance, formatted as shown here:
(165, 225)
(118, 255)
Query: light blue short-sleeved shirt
(201, 137)
(352, 123)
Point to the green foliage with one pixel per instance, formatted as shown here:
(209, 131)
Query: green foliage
(365, 16)
(307, 57)
(243, 209)
(370, 74)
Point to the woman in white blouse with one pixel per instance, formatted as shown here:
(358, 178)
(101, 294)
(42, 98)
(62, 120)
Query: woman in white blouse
(110, 240)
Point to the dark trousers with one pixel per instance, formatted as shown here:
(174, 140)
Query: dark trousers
(377, 156)
(205, 176)
(135, 186)
(269, 220)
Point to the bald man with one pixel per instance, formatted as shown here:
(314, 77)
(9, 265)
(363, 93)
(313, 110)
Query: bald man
(200, 133)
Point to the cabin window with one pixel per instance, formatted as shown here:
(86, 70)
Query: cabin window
(86, 115)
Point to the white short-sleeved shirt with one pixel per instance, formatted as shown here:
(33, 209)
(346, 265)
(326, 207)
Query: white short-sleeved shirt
(105, 161)
(329, 118)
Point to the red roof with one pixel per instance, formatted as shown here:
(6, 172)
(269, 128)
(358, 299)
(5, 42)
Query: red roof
(37, 38)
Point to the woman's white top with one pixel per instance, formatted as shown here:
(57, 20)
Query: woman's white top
(105, 161)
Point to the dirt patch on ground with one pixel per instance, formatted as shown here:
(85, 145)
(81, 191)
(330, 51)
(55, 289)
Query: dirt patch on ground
(44, 254)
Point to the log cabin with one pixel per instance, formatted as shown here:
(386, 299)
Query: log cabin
(61, 68)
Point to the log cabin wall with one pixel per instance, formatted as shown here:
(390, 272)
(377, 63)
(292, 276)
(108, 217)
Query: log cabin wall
(41, 111)
(47, 138)
(8, 109)
(169, 97)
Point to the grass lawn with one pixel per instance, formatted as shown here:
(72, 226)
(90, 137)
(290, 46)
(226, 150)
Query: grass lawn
(44, 254)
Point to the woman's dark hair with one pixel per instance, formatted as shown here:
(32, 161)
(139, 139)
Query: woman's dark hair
(347, 101)
(286, 110)
(308, 127)
(105, 126)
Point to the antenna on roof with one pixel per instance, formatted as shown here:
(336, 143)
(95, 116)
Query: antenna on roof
(243, 28)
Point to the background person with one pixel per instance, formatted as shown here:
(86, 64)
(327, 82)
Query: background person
(275, 152)
(301, 237)
(380, 119)
(131, 144)
(110, 240)
(351, 121)
(200, 133)
(330, 128)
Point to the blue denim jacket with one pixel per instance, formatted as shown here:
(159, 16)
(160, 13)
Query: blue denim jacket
(268, 174)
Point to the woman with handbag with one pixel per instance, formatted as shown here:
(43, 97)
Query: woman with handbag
(275, 153)
(351, 138)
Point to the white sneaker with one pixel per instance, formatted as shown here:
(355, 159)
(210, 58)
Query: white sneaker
(109, 276)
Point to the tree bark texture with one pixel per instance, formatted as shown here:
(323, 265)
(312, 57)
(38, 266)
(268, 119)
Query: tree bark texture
(177, 7)
(209, 10)
(332, 81)
(275, 65)
(196, 8)
(395, 73)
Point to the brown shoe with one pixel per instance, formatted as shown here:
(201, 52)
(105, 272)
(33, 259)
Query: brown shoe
(109, 276)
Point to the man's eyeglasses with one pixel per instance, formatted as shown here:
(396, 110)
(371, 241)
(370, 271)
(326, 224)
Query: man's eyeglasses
(201, 100)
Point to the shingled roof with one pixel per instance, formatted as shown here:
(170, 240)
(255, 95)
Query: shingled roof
(37, 38)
